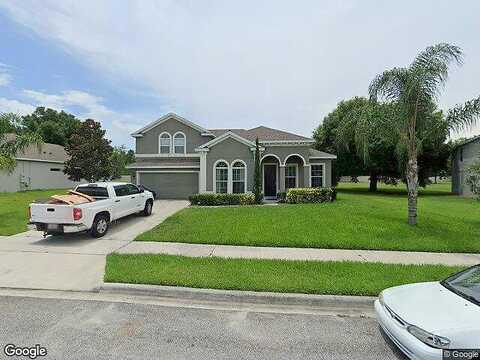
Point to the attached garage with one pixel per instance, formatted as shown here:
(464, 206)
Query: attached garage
(170, 185)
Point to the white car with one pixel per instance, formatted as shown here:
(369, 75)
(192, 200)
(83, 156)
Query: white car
(425, 319)
(112, 201)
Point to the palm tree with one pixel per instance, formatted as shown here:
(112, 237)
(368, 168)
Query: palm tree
(10, 143)
(414, 89)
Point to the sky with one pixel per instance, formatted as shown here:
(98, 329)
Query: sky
(220, 64)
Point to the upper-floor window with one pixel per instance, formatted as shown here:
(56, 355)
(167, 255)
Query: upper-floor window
(165, 145)
(179, 143)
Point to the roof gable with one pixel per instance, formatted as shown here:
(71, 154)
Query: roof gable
(169, 116)
(228, 135)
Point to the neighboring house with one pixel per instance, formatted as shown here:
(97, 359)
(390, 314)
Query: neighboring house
(177, 158)
(37, 168)
(464, 156)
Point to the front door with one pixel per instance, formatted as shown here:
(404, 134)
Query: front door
(270, 180)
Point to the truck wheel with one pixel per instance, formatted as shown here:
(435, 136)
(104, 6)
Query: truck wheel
(147, 211)
(99, 226)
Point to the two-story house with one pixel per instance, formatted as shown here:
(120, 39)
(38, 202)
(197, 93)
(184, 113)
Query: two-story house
(177, 158)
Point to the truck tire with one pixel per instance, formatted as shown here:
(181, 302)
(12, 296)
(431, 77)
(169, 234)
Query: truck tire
(99, 226)
(147, 211)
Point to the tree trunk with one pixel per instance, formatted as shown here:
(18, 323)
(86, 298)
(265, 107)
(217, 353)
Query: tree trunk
(373, 183)
(412, 185)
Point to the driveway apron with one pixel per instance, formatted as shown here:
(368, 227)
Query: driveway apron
(74, 261)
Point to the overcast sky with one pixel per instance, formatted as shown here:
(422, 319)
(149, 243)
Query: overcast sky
(229, 64)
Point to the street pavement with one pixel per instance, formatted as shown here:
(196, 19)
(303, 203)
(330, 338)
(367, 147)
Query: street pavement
(92, 329)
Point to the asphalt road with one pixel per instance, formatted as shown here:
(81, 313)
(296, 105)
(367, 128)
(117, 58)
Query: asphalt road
(82, 329)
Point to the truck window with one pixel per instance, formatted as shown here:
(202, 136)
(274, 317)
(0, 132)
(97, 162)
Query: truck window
(132, 189)
(121, 190)
(93, 191)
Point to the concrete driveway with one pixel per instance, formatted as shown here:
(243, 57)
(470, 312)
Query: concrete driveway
(71, 262)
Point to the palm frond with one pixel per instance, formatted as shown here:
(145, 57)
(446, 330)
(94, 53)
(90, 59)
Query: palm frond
(388, 85)
(429, 71)
(9, 148)
(463, 116)
(441, 53)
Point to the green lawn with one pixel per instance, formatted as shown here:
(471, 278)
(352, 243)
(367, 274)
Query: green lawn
(358, 220)
(14, 209)
(309, 277)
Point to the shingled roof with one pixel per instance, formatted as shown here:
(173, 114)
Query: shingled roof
(263, 133)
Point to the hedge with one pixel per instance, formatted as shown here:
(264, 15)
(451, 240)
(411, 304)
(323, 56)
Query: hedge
(282, 197)
(311, 195)
(221, 199)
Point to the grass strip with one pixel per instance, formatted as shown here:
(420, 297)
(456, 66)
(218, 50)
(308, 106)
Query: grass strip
(309, 277)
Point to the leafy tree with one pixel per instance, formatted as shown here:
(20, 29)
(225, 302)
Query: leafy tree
(90, 153)
(54, 127)
(11, 144)
(414, 89)
(120, 158)
(257, 177)
(339, 134)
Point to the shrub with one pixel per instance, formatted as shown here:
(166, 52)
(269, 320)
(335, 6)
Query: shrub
(311, 195)
(222, 199)
(282, 197)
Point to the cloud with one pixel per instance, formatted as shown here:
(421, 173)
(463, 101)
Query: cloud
(85, 105)
(5, 77)
(15, 106)
(240, 64)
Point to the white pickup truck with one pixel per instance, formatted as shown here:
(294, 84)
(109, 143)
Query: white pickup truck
(111, 201)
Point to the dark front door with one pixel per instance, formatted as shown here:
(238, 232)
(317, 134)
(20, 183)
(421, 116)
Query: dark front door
(270, 180)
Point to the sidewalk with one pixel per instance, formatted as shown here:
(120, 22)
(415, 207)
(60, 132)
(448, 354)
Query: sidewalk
(250, 252)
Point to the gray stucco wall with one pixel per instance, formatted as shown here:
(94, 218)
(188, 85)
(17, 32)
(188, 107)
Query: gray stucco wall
(37, 175)
(230, 150)
(148, 144)
(470, 153)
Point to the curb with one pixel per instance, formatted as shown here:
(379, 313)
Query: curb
(252, 297)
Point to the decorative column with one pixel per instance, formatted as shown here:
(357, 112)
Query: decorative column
(282, 178)
(306, 176)
(203, 172)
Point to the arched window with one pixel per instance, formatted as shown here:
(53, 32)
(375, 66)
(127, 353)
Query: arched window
(221, 177)
(239, 177)
(179, 143)
(165, 145)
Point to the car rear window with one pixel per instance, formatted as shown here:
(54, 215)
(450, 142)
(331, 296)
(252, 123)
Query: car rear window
(94, 191)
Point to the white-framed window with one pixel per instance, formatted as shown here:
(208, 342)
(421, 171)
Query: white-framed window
(165, 143)
(239, 177)
(221, 177)
(291, 176)
(316, 175)
(179, 143)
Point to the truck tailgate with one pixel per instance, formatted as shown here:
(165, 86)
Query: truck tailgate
(51, 213)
